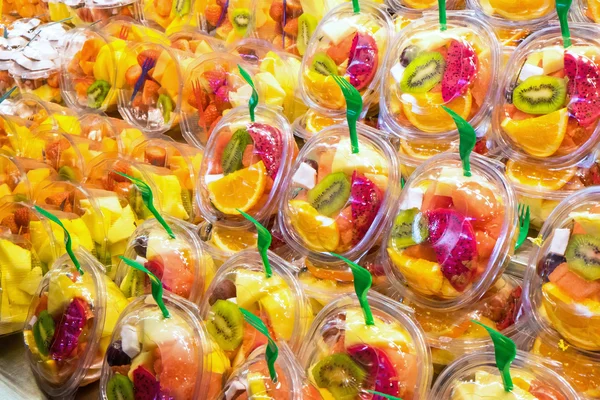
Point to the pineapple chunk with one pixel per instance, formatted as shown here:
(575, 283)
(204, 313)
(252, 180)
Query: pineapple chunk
(422, 275)
(379, 335)
(253, 285)
(123, 227)
(280, 308)
(31, 281)
(15, 265)
(368, 160)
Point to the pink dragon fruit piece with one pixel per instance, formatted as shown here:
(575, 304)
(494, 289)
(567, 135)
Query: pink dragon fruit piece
(379, 367)
(268, 144)
(145, 385)
(362, 60)
(365, 200)
(453, 240)
(158, 269)
(583, 88)
(461, 66)
(71, 325)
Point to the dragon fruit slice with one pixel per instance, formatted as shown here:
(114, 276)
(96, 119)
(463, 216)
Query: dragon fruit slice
(71, 325)
(455, 246)
(461, 65)
(365, 200)
(379, 367)
(583, 88)
(363, 60)
(158, 269)
(145, 385)
(268, 144)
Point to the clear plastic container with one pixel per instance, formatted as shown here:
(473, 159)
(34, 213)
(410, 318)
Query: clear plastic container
(361, 189)
(244, 167)
(166, 15)
(9, 48)
(477, 376)
(532, 13)
(362, 39)
(131, 30)
(182, 265)
(311, 123)
(585, 11)
(190, 40)
(389, 357)
(14, 132)
(23, 176)
(27, 250)
(278, 301)
(228, 20)
(475, 215)
(215, 80)
(421, 5)
(570, 131)
(36, 9)
(91, 11)
(412, 109)
(70, 322)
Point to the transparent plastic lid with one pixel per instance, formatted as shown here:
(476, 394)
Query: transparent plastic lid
(452, 235)
(311, 123)
(130, 30)
(166, 15)
(23, 176)
(244, 167)
(529, 14)
(190, 40)
(585, 11)
(229, 20)
(343, 357)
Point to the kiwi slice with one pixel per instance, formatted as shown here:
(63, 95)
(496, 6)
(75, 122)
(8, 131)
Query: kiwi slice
(102, 254)
(423, 73)
(67, 173)
(410, 228)
(226, 325)
(240, 19)
(331, 194)
(339, 374)
(231, 160)
(133, 283)
(165, 104)
(540, 94)
(43, 332)
(186, 201)
(324, 65)
(97, 92)
(307, 24)
(119, 387)
(583, 256)
(182, 7)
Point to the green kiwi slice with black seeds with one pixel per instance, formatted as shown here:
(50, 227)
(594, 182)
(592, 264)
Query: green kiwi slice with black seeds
(540, 94)
(324, 65)
(43, 332)
(226, 325)
(165, 104)
(339, 374)
(410, 228)
(307, 24)
(231, 159)
(97, 92)
(240, 19)
(583, 256)
(119, 387)
(423, 73)
(331, 194)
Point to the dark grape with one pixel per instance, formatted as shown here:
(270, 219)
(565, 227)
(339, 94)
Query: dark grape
(116, 356)
(549, 264)
(140, 245)
(408, 54)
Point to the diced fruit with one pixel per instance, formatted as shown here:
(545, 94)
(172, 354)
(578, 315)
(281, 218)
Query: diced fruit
(239, 190)
(319, 233)
(252, 286)
(280, 309)
(226, 325)
(538, 176)
(526, 133)
(424, 111)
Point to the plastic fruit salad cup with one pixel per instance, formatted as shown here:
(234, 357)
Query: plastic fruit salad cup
(552, 92)
(277, 300)
(27, 250)
(228, 20)
(350, 45)
(157, 357)
(562, 287)
(428, 68)
(244, 166)
(23, 176)
(452, 235)
(70, 322)
(190, 40)
(343, 357)
(530, 12)
(90, 11)
(336, 200)
(166, 15)
(476, 377)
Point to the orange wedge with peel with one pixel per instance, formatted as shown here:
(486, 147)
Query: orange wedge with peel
(538, 176)
(319, 233)
(539, 136)
(425, 112)
(241, 189)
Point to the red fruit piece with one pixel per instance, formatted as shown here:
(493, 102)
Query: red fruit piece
(583, 88)
(215, 79)
(510, 312)
(382, 373)
(222, 99)
(157, 268)
(175, 364)
(365, 200)
(268, 144)
(455, 246)
(71, 325)
(461, 66)
(145, 385)
(363, 60)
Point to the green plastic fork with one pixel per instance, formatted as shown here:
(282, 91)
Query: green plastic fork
(524, 220)
(354, 105)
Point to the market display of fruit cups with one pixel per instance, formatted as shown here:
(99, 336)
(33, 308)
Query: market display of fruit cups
(166, 15)
(23, 176)
(427, 68)
(452, 235)
(27, 250)
(554, 91)
(344, 357)
(476, 376)
(562, 284)
(244, 167)
(336, 200)
(190, 40)
(70, 322)
(278, 300)
(212, 86)
(347, 44)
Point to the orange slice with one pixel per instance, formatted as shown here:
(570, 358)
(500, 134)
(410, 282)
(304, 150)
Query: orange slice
(540, 136)
(423, 150)
(320, 233)
(239, 190)
(424, 110)
(594, 10)
(316, 122)
(518, 10)
(324, 90)
(233, 240)
(537, 176)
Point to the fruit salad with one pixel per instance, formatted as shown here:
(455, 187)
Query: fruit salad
(27, 250)
(228, 20)
(531, 12)
(223, 242)
(350, 45)
(90, 11)
(277, 300)
(181, 263)
(212, 86)
(551, 90)
(244, 167)
(343, 357)
(336, 200)
(70, 322)
(191, 41)
(131, 30)
(34, 9)
(167, 15)
(312, 122)
(429, 68)
(564, 286)
(476, 377)
(23, 176)
(452, 234)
